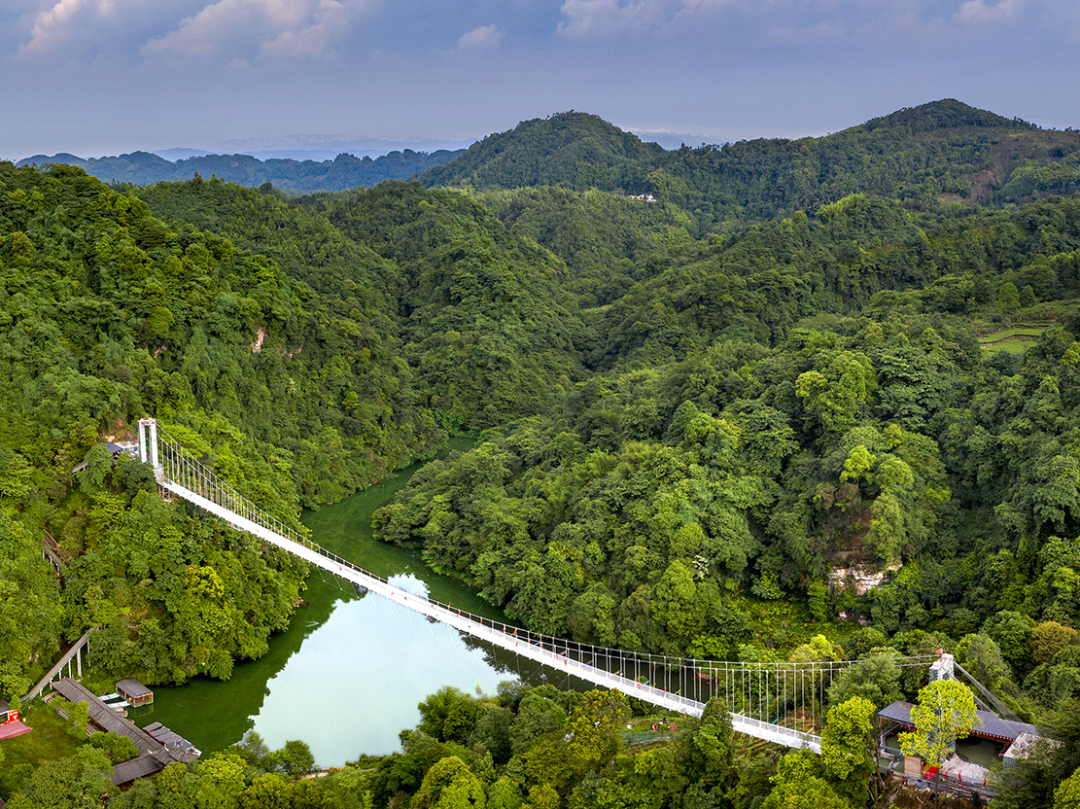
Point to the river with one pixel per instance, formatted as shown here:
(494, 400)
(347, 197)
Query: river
(348, 673)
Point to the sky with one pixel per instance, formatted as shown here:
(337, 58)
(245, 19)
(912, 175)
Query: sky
(104, 77)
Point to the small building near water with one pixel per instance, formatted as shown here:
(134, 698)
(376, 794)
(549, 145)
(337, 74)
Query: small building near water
(989, 725)
(156, 751)
(135, 693)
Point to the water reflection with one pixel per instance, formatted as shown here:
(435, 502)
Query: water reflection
(348, 673)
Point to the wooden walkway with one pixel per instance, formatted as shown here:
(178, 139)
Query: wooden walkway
(74, 653)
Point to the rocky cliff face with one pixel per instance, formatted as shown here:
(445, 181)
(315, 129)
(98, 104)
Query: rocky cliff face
(860, 578)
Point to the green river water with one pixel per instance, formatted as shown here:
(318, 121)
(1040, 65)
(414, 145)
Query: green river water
(348, 673)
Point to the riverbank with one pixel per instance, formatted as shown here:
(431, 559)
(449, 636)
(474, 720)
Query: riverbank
(347, 674)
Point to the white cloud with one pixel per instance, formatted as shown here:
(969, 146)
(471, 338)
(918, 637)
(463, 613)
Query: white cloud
(212, 31)
(331, 18)
(977, 11)
(244, 29)
(604, 18)
(786, 22)
(487, 36)
(55, 26)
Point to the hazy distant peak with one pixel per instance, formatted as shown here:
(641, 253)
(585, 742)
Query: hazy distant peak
(41, 160)
(179, 153)
(324, 147)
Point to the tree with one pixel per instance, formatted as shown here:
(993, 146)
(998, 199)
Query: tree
(79, 716)
(1011, 630)
(537, 716)
(1049, 638)
(1067, 795)
(449, 784)
(80, 780)
(449, 714)
(493, 732)
(252, 749)
(505, 794)
(594, 725)
(118, 748)
(219, 781)
(268, 791)
(294, 759)
(848, 747)
(707, 752)
(982, 658)
(1008, 298)
(798, 785)
(945, 713)
(875, 678)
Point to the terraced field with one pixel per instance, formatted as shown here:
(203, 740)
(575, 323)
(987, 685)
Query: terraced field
(1015, 340)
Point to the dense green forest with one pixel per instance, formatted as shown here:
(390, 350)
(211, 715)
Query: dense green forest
(343, 172)
(944, 150)
(535, 748)
(698, 416)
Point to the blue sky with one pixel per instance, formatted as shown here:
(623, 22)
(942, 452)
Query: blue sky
(96, 77)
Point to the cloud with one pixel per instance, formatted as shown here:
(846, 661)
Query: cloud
(976, 11)
(246, 29)
(223, 28)
(73, 29)
(610, 18)
(54, 27)
(330, 19)
(784, 22)
(485, 37)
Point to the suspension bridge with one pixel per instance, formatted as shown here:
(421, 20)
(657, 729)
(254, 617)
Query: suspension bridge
(779, 702)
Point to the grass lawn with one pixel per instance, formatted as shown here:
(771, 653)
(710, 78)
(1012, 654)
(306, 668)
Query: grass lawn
(49, 738)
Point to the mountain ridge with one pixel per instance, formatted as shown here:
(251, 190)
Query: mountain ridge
(941, 151)
(305, 176)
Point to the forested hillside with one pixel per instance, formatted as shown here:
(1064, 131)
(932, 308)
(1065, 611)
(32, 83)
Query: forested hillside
(945, 150)
(760, 428)
(698, 418)
(302, 361)
(480, 315)
(572, 149)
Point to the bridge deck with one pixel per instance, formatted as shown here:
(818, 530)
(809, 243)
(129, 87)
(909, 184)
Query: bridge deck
(501, 637)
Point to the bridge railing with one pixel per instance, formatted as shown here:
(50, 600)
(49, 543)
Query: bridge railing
(760, 692)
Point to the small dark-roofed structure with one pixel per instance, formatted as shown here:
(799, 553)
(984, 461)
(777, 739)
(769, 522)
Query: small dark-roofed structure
(105, 717)
(135, 692)
(4, 708)
(992, 726)
(127, 771)
(154, 753)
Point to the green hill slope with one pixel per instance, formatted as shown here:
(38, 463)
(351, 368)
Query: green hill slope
(572, 149)
(941, 151)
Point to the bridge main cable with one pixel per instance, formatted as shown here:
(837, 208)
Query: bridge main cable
(178, 471)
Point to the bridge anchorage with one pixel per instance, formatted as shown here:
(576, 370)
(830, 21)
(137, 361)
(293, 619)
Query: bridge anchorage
(778, 702)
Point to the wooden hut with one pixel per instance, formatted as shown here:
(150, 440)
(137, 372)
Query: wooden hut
(135, 693)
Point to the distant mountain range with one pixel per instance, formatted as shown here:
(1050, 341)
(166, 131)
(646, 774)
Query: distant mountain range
(940, 151)
(343, 172)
